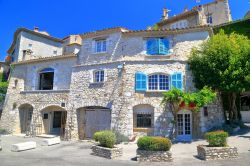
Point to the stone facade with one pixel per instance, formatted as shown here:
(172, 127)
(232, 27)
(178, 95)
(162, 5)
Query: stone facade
(76, 97)
(218, 9)
(214, 153)
(109, 153)
(154, 156)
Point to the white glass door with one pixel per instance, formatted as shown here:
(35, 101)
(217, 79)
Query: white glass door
(184, 126)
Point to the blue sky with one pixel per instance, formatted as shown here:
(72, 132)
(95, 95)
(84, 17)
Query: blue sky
(63, 17)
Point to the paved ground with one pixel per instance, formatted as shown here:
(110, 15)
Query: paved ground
(79, 153)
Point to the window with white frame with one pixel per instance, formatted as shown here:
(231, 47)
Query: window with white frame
(101, 46)
(98, 76)
(158, 82)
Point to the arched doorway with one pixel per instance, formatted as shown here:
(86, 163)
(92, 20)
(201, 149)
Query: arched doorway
(143, 119)
(92, 119)
(25, 116)
(54, 120)
(184, 125)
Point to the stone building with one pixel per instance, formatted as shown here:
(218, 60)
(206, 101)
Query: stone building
(214, 13)
(107, 79)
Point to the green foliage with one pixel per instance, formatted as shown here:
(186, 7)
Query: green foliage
(217, 138)
(241, 27)
(3, 132)
(200, 98)
(97, 135)
(222, 63)
(3, 90)
(106, 138)
(154, 143)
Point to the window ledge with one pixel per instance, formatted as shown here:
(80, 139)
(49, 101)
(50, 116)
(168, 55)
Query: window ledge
(46, 91)
(156, 91)
(99, 53)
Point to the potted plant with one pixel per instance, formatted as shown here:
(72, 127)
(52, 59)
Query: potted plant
(155, 149)
(217, 148)
(106, 145)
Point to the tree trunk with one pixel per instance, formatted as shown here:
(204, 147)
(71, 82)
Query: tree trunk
(233, 113)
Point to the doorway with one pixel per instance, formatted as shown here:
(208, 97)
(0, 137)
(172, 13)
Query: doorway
(184, 126)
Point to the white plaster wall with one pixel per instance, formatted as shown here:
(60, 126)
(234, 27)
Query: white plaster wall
(62, 75)
(41, 46)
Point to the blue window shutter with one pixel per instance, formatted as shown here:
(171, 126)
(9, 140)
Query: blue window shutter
(152, 46)
(177, 81)
(163, 46)
(140, 81)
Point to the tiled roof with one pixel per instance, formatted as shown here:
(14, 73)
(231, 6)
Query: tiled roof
(103, 32)
(178, 17)
(169, 31)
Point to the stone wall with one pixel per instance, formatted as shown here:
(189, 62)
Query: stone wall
(154, 156)
(109, 153)
(213, 153)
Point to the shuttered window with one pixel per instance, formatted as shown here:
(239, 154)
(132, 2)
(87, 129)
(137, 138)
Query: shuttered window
(140, 81)
(177, 81)
(158, 46)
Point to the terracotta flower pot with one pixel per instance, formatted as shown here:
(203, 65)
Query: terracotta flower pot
(182, 104)
(192, 105)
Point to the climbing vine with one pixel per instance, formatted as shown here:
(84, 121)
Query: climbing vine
(175, 100)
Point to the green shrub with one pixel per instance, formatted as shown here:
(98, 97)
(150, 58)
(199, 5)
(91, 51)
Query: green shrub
(154, 143)
(107, 139)
(217, 138)
(3, 132)
(97, 135)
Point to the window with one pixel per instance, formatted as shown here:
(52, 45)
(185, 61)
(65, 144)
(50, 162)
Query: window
(55, 52)
(177, 80)
(144, 120)
(99, 76)
(30, 46)
(100, 46)
(209, 19)
(158, 82)
(158, 46)
(46, 77)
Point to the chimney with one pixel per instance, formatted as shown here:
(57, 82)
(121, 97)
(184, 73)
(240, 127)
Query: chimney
(165, 13)
(36, 29)
(185, 9)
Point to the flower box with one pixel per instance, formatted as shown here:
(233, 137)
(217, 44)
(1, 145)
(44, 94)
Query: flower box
(153, 156)
(109, 153)
(215, 153)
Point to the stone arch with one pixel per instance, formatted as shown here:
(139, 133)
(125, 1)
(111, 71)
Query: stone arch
(143, 119)
(91, 119)
(54, 120)
(25, 118)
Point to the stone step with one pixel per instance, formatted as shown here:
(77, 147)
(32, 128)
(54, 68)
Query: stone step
(23, 146)
(51, 141)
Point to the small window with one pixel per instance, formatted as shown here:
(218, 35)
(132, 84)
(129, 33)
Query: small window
(99, 76)
(209, 19)
(55, 52)
(144, 120)
(158, 82)
(100, 46)
(30, 46)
